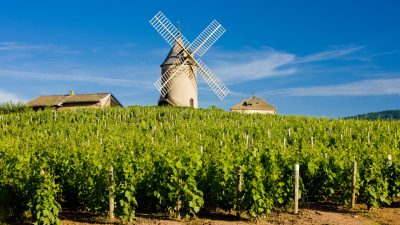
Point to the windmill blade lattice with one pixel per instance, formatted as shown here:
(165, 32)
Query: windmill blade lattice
(207, 38)
(213, 82)
(167, 30)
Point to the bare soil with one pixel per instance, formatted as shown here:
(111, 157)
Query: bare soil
(310, 213)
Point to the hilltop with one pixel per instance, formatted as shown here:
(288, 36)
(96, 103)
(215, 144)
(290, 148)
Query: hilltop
(384, 115)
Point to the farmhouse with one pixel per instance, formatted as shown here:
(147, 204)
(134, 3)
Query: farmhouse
(254, 105)
(73, 101)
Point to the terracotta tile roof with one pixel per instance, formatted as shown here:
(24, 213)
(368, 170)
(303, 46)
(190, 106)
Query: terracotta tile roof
(79, 98)
(253, 103)
(53, 100)
(58, 100)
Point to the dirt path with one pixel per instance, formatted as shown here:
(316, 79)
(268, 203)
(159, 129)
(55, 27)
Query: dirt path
(312, 214)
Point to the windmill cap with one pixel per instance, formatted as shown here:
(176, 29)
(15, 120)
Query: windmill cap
(173, 55)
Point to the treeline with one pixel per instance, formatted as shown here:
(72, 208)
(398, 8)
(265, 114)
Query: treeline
(384, 115)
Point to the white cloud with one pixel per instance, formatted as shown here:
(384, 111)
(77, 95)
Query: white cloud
(19, 46)
(236, 67)
(232, 67)
(330, 54)
(26, 75)
(373, 87)
(6, 97)
(250, 64)
(25, 61)
(10, 46)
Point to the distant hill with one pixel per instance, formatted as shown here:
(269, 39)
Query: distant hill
(384, 115)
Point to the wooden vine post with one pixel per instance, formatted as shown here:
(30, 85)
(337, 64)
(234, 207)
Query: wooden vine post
(239, 190)
(111, 191)
(153, 130)
(247, 141)
(296, 188)
(312, 142)
(178, 201)
(284, 142)
(353, 186)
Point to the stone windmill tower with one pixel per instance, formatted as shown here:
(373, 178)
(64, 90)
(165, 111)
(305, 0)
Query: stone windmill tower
(178, 82)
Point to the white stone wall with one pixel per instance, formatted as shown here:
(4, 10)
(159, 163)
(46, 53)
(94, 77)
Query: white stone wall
(183, 89)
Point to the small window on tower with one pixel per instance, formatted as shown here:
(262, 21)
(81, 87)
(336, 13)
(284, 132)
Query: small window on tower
(191, 103)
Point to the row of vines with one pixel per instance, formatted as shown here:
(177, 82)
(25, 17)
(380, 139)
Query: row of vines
(181, 161)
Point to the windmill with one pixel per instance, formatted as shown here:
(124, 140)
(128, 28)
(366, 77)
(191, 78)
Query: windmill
(178, 82)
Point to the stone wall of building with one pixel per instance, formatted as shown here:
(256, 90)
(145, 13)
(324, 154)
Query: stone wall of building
(255, 111)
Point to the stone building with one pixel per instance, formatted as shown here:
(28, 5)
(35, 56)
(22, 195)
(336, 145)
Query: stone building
(73, 101)
(254, 105)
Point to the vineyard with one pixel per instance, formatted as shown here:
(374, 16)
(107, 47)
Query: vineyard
(181, 161)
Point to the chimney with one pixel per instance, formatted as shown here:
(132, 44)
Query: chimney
(71, 92)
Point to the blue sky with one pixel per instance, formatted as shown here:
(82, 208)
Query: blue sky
(317, 58)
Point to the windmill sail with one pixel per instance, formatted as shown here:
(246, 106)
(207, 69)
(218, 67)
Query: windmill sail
(207, 38)
(167, 30)
(213, 82)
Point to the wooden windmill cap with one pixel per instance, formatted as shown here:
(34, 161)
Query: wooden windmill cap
(173, 54)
